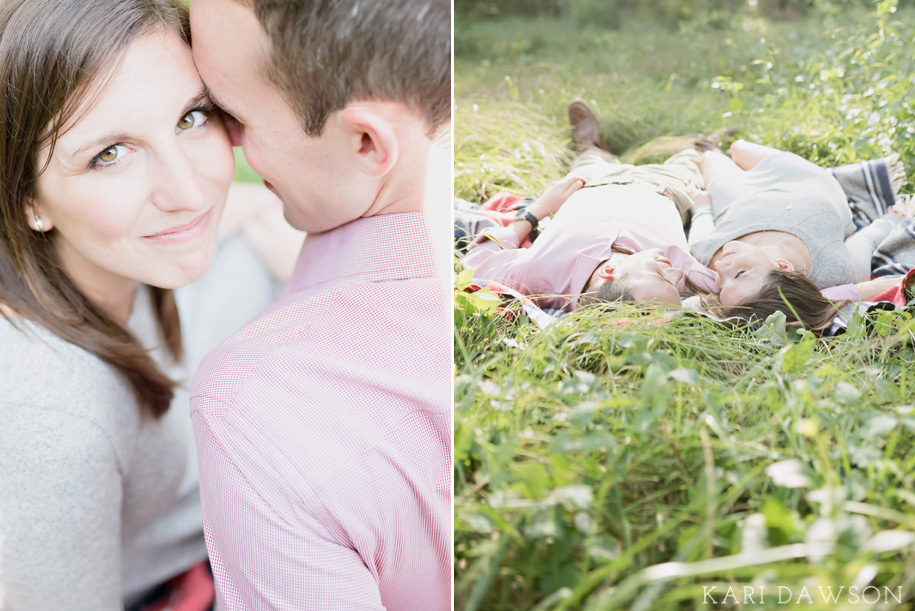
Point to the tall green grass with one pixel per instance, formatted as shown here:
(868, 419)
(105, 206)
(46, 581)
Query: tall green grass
(622, 459)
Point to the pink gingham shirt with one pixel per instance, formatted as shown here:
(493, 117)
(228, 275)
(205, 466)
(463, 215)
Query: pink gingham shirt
(324, 432)
(584, 232)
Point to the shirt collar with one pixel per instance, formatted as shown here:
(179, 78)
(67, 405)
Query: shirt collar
(379, 248)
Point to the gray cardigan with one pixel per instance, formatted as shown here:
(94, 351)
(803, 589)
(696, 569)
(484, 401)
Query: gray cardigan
(96, 506)
(788, 193)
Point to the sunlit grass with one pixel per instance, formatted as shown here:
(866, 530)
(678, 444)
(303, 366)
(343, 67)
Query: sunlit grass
(591, 456)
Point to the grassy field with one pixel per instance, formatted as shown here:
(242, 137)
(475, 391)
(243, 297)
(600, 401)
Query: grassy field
(625, 460)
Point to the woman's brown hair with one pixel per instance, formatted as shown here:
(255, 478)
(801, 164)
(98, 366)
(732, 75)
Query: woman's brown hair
(789, 292)
(54, 56)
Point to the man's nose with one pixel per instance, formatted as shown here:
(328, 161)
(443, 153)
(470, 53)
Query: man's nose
(674, 274)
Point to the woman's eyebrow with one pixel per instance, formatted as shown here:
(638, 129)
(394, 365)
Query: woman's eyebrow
(98, 143)
(201, 98)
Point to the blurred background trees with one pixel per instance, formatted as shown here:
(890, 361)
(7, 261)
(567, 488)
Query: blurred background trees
(673, 13)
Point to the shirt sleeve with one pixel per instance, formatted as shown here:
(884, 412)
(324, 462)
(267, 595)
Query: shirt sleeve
(844, 292)
(861, 246)
(701, 225)
(493, 255)
(261, 558)
(60, 513)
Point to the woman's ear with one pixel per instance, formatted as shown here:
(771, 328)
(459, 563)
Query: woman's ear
(36, 220)
(372, 139)
(784, 265)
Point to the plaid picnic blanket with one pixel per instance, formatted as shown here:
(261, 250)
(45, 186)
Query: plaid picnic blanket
(870, 186)
(499, 210)
(896, 253)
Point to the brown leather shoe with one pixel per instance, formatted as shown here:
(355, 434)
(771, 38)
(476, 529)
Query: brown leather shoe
(712, 142)
(585, 130)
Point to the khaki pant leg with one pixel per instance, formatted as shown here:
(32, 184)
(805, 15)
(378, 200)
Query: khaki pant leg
(673, 177)
(596, 165)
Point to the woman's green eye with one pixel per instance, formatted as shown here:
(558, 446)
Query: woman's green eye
(187, 121)
(195, 118)
(109, 154)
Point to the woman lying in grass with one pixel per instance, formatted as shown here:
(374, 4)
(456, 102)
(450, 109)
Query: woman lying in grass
(779, 228)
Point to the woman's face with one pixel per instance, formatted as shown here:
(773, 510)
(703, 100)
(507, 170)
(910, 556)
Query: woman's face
(136, 186)
(742, 271)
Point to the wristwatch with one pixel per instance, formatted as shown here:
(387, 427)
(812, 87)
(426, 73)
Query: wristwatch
(526, 215)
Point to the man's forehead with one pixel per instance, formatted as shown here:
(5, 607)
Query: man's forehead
(225, 31)
(228, 46)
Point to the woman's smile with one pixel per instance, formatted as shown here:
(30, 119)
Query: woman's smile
(181, 234)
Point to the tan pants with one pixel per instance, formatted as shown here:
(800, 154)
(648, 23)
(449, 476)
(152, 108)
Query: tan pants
(670, 178)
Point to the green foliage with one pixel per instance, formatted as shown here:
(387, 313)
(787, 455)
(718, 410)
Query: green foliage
(619, 14)
(243, 171)
(624, 460)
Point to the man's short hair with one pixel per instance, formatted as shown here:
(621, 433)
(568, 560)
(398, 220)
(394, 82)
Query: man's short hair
(328, 53)
(609, 292)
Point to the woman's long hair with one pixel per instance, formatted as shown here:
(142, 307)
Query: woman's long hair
(55, 55)
(789, 292)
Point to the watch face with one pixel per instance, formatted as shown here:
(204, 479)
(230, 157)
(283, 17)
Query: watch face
(528, 216)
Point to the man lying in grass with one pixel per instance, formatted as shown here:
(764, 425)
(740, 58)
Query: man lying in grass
(616, 232)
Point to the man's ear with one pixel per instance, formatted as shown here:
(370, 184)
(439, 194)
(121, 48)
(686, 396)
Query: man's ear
(785, 265)
(372, 138)
(606, 271)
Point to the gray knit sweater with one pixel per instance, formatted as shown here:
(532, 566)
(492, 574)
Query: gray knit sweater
(96, 506)
(788, 193)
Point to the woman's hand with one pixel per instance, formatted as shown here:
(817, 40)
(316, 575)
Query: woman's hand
(894, 212)
(700, 197)
(555, 196)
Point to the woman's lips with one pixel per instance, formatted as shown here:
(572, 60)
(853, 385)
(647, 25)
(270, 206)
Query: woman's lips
(183, 233)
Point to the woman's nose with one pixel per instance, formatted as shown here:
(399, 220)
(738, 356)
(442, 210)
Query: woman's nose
(179, 184)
